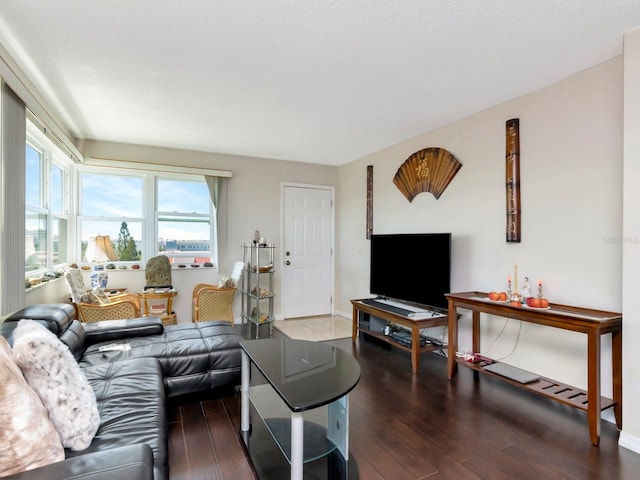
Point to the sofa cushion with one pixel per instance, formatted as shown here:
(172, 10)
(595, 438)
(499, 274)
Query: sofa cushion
(51, 370)
(194, 357)
(133, 462)
(131, 401)
(57, 316)
(111, 330)
(27, 438)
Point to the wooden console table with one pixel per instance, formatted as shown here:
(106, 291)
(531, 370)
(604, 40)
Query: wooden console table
(593, 323)
(415, 324)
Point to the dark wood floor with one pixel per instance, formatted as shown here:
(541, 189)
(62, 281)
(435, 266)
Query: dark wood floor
(405, 426)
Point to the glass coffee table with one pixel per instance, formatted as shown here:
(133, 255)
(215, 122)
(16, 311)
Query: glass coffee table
(296, 393)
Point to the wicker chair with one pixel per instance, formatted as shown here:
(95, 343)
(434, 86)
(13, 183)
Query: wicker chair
(115, 307)
(125, 306)
(211, 302)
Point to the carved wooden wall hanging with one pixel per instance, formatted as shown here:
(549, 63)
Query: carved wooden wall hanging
(369, 201)
(428, 170)
(513, 180)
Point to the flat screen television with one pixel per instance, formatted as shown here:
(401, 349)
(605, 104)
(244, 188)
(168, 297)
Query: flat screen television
(415, 267)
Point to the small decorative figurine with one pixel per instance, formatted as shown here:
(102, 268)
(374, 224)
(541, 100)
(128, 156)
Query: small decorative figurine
(526, 290)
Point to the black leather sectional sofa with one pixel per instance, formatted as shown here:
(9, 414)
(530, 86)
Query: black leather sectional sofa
(134, 366)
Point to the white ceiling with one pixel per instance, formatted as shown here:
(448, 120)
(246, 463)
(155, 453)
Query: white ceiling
(307, 80)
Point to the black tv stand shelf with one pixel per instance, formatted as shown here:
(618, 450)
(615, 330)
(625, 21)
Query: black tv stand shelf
(363, 309)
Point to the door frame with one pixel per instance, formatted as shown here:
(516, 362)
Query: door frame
(332, 287)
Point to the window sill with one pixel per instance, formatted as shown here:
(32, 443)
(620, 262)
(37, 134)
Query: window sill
(130, 268)
(42, 284)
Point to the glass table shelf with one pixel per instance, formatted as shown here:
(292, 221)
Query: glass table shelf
(299, 392)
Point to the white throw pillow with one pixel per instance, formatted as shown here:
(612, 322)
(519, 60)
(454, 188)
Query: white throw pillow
(50, 369)
(27, 437)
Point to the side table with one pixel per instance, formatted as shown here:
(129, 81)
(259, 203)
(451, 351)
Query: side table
(159, 302)
(299, 391)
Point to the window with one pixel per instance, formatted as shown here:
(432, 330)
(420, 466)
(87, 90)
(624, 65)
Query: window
(145, 214)
(59, 217)
(35, 240)
(46, 204)
(112, 205)
(184, 220)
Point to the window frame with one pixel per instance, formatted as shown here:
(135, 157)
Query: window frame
(210, 216)
(150, 215)
(50, 155)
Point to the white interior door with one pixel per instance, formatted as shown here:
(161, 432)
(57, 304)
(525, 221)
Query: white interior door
(307, 260)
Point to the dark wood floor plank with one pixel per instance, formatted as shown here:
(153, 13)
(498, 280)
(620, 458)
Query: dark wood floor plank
(178, 465)
(555, 464)
(365, 469)
(212, 406)
(202, 460)
(424, 443)
(231, 458)
(419, 426)
(486, 469)
(387, 453)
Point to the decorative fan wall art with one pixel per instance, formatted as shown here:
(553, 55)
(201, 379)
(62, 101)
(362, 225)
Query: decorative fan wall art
(428, 170)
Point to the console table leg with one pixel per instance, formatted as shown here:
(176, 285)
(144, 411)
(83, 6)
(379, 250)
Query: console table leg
(297, 445)
(593, 386)
(475, 322)
(616, 362)
(452, 328)
(354, 326)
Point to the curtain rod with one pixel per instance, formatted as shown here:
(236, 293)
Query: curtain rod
(154, 167)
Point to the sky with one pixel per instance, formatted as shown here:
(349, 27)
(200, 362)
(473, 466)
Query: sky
(122, 197)
(112, 199)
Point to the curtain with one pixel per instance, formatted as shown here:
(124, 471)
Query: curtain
(218, 193)
(12, 191)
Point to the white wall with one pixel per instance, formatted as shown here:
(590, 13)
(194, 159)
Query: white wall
(253, 204)
(571, 178)
(630, 436)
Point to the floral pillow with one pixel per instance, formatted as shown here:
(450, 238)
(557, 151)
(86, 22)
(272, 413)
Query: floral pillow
(75, 283)
(97, 296)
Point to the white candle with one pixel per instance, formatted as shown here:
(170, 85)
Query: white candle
(515, 278)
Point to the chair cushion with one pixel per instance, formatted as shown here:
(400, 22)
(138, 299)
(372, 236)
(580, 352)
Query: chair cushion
(75, 283)
(97, 296)
(51, 370)
(27, 437)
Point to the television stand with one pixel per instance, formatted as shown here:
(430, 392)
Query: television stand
(363, 309)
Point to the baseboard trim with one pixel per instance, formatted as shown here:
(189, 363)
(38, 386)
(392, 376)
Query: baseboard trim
(629, 441)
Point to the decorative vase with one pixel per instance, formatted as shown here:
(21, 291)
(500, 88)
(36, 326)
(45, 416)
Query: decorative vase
(99, 277)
